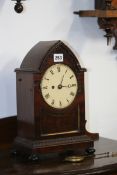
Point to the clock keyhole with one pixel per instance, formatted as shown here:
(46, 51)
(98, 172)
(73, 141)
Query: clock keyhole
(53, 87)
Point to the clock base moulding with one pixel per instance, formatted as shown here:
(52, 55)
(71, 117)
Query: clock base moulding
(43, 126)
(70, 145)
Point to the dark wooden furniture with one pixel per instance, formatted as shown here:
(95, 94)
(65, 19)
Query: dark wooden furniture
(10, 165)
(106, 12)
(8, 130)
(43, 127)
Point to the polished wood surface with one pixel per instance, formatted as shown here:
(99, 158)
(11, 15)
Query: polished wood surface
(11, 165)
(8, 130)
(96, 165)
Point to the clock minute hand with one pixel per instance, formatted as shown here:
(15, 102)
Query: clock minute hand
(63, 77)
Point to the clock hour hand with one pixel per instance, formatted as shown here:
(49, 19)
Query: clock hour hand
(68, 86)
(65, 86)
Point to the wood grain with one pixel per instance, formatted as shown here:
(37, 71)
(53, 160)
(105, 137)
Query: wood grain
(8, 130)
(57, 166)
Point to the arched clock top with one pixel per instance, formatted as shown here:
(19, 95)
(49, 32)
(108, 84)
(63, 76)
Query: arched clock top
(44, 51)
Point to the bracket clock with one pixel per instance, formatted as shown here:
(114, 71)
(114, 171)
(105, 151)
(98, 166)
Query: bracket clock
(51, 102)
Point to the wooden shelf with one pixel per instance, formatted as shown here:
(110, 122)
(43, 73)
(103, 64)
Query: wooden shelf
(97, 13)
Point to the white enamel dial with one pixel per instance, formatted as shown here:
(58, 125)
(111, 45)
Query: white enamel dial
(59, 86)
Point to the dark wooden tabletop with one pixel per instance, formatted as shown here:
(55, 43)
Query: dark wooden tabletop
(100, 164)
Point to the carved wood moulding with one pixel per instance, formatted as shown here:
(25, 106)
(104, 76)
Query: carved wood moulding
(106, 12)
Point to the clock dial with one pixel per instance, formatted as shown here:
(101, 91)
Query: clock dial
(59, 86)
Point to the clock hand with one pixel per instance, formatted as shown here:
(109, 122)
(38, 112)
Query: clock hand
(69, 85)
(60, 86)
(63, 77)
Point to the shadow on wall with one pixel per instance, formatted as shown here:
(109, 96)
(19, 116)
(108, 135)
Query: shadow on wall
(83, 29)
(1, 3)
(8, 88)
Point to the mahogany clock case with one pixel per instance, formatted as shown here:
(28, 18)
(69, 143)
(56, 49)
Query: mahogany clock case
(41, 128)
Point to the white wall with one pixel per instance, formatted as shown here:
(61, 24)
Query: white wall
(54, 19)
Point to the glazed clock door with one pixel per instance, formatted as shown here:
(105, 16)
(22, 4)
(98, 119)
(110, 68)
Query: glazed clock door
(59, 89)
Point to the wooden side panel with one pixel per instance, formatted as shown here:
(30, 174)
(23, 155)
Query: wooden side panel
(25, 107)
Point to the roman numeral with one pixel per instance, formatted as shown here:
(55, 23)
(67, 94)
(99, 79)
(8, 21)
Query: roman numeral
(47, 96)
(71, 76)
(46, 79)
(66, 71)
(60, 104)
(72, 93)
(51, 71)
(73, 85)
(52, 103)
(58, 68)
(46, 87)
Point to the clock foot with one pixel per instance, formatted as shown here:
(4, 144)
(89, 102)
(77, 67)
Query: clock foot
(24, 156)
(90, 151)
(33, 157)
(14, 153)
